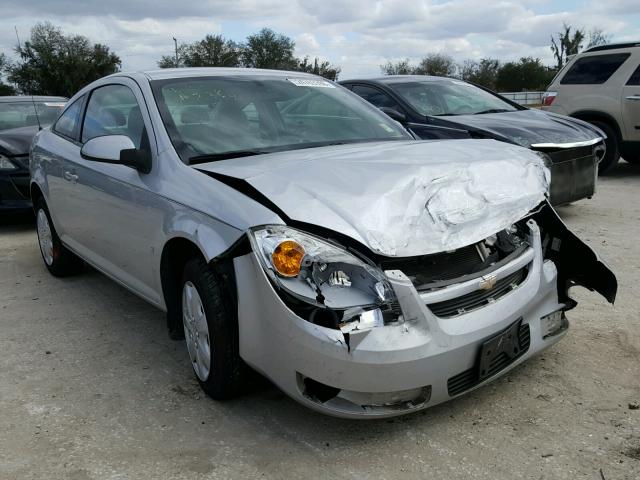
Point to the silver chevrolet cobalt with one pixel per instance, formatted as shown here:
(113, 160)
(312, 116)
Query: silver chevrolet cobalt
(287, 226)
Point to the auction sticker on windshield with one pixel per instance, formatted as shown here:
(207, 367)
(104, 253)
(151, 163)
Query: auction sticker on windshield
(304, 82)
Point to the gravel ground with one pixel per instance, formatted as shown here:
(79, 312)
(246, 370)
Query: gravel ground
(91, 388)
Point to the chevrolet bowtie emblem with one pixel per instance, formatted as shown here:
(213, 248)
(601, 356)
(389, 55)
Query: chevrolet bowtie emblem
(487, 282)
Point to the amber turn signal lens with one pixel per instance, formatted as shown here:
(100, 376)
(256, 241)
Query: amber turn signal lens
(287, 258)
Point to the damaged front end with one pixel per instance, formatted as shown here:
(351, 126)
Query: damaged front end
(335, 287)
(428, 319)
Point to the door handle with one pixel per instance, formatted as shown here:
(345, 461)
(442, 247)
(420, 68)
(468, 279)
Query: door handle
(72, 177)
(634, 97)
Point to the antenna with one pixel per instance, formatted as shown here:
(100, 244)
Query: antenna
(17, 37)
(36, 110)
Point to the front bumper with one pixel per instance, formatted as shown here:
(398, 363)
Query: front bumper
(574, 170)
(392, 369)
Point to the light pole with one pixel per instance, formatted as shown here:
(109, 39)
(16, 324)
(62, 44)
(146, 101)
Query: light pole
(175, 42)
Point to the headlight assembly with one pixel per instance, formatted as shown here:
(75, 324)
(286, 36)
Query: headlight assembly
(324, 275)
(6, 165)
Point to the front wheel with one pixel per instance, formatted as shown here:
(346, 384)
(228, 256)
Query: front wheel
(59, 260)
(210, 320)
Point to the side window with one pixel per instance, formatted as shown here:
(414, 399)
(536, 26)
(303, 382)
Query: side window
(113, 110)
(634, 79)
(376, 97)
(68, 121)
(594, 69)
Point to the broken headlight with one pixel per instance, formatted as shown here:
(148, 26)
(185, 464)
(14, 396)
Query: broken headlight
(340, 287)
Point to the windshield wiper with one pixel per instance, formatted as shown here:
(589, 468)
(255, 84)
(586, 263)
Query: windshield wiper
(493, 110)
(214, 157)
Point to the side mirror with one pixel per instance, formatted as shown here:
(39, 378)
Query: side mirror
(394, 114)
(116, 149)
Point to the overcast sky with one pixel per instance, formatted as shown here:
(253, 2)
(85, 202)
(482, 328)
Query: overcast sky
(358, 35)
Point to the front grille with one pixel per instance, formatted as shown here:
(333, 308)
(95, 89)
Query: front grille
(478, 298)
(471, 377)
(440, 266)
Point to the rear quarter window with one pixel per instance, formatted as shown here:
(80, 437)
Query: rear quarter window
(594, 69)
(634, 79)
(67, 123)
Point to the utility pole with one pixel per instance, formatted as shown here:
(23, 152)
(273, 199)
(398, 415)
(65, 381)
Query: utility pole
(175, 42)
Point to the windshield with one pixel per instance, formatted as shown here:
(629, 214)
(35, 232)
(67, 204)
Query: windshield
(214, 118)
(450, 97)
(23, 113)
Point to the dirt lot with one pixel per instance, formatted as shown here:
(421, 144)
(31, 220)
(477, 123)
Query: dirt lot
(91, 388)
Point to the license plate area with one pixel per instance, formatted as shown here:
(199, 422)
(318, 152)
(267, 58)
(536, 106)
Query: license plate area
(501, 350)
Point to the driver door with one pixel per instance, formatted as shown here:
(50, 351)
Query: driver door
(114, 218)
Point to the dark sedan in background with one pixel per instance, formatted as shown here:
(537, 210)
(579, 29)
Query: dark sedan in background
(446, 108)
(20, 119)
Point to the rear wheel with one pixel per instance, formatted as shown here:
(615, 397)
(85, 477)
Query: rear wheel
(59, 260)
(209, 316)
(612, 154)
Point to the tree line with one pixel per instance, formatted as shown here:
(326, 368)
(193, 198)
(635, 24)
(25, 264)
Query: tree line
(527, 73)
(265, 49)
(54, 63)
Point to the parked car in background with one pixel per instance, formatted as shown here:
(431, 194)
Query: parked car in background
(602, 86)
(286, 224)
(447, 108)
(20, 119)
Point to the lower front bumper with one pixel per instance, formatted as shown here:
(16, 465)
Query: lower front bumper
(574, 173)
(387, 370)
(12, 193)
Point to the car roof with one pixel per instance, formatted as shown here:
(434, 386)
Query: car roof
(401, 79)
(167, 73)
(29, 98)
(612, 46)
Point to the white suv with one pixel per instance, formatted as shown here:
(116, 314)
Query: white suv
(602, 86)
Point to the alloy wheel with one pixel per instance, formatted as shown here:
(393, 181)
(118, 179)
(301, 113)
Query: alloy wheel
(196, 331)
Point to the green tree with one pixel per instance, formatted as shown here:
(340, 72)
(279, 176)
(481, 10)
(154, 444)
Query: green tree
(268, 49)
(438, 64)
(482, 73)
(51, 63)
(402, 67)
(526, 74)
(211, 51)
(319, 67)
(567, 44)
(169, 61)
(4, 65)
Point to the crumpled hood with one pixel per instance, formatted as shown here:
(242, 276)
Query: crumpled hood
(16, 141)
(401, 198)
(529, 127)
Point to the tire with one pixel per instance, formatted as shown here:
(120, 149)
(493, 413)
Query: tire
(59, 260)
(612, 154)
(210, 319)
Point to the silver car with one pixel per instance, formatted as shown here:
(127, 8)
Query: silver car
(285, 225)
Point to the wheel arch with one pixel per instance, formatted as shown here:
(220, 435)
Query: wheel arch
(176, 252)
(596, 115)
